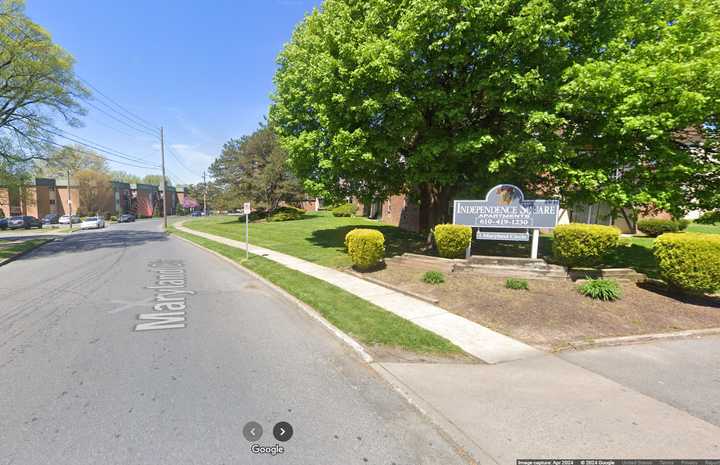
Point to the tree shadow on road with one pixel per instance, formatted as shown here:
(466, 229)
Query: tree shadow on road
(76, 243)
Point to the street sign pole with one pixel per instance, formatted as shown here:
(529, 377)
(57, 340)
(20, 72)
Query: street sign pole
(246, 210)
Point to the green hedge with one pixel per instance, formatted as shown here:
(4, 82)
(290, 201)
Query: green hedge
(366, 247)
(689, 261)
(346, 209)
(654, 227)
(286, 214)
(584, 244)
(452, 239)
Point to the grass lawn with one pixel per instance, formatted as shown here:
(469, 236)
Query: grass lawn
(704, 228)
(362, 320)
(319, 238)
(10, 250)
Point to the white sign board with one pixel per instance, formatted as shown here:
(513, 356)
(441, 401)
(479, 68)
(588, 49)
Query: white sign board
(246, 208)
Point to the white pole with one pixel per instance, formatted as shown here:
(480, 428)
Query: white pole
(164, 181)
(535, 243)
(247, 242)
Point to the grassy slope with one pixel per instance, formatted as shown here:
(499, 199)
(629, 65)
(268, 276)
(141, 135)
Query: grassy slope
(361, 319)
(319, 238)
(11, 251)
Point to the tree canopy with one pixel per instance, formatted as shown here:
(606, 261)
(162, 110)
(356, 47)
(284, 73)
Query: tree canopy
(254, 168)
(37, 85)
(155, 180)
(70, 158)
(589, 101)
(94, 189)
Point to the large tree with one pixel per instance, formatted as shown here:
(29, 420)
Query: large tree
(70, 158)
(96, 194)
(155, 180)
(124, 176)
(254, 168)
(37, 86)
(585, 100)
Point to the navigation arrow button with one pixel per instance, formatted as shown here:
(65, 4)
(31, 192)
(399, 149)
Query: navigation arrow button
(283, 431)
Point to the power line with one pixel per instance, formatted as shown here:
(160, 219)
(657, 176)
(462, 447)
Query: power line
(140, 121)
(144, 131)
(94, 145)
(107, 158)
(177, 158)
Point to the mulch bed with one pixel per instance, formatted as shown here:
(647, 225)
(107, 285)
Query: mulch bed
(552, 314)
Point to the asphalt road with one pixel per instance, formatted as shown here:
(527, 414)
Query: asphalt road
(79, 385)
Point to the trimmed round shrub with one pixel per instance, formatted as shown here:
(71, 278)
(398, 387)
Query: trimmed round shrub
(452, 239)
(689, 261)
(113, 218)
(683, 224)
(286, 214)
(346, 209)
(601, 289)
(579, 244)
(366, 248)
(433, 277)
(654, 227)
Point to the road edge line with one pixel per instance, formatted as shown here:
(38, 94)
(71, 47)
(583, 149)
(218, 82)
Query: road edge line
(349, 341)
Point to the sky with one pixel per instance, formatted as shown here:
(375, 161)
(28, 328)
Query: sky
(201, 69)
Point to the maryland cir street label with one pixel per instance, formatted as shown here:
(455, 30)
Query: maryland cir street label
(170, 307)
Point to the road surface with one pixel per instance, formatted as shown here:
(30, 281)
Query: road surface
(79, 384)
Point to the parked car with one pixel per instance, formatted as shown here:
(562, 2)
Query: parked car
(126, 218)
(27, 222)
(66, 219)
(3, 223)
(93, 222)
(51, 218)
(196, 214)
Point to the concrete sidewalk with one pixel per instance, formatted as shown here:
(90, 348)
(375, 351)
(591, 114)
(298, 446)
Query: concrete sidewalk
(479, 341)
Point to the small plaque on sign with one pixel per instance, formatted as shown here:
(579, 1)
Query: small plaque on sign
(502, 236)
(246, 208)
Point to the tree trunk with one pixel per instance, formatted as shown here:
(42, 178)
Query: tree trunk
(434, 205)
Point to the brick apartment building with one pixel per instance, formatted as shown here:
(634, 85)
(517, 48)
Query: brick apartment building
(43, 196)
(400, 211)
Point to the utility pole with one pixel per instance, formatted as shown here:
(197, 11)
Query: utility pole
(204, 195)
(162, 164)
(69, 201)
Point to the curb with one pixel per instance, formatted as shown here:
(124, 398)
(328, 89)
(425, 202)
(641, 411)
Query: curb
(25, 252)
(640, 339)
(429, 300)
(349, 341)
(465, 446)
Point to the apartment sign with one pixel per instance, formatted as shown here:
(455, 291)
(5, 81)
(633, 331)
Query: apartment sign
(505, 207)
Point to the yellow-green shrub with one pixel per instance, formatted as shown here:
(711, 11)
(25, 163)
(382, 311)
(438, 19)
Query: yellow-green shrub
(452, 239)
(689, 261)
(366, 247)
(579, 244)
